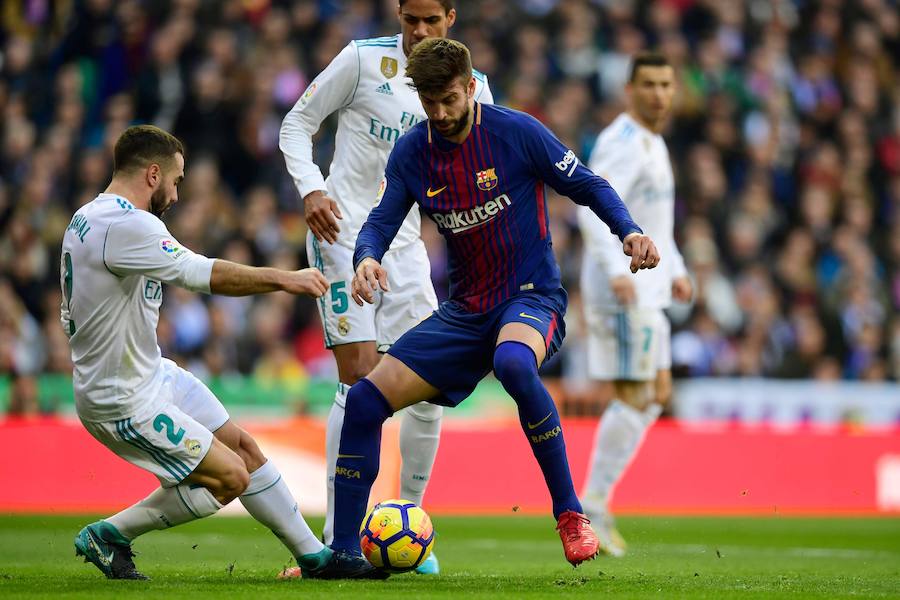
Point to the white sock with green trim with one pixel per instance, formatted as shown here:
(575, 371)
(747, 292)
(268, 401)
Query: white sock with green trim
(164, 508)
(270, 502)
(332, 443)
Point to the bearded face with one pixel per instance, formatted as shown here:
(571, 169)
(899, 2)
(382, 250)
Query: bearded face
(159, 203)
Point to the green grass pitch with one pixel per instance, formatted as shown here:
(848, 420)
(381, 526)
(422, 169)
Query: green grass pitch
(484, 557)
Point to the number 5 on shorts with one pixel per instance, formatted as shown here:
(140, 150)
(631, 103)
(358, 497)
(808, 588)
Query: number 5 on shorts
(339, 302)
(163, 420)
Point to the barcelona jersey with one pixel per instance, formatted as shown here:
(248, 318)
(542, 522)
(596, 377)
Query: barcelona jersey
(487, 198)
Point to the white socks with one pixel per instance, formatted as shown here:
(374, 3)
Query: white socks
(332, 443)
(267, 499)
(270, 502)
(420, 433)
(619, 435)
(164, 508)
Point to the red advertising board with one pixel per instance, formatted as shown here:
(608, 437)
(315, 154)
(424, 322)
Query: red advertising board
(54, 465)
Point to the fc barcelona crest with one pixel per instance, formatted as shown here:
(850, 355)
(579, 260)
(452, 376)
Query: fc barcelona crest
(388, 66)
(486, 180)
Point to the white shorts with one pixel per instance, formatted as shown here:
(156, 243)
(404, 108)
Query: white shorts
(629, 345)
(171, 436)
(410, 300)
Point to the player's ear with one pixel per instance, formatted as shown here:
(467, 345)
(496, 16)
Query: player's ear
(470, 89)
(451, 18)
(154, 175)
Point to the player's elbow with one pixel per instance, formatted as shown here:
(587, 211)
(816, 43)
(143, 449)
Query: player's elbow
(291, 132)
(285, 134)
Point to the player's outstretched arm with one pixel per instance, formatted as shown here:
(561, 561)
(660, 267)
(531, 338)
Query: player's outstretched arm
(370, 276)
(233, 279)
(642, 251)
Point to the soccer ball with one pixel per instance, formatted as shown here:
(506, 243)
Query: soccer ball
(396, 536)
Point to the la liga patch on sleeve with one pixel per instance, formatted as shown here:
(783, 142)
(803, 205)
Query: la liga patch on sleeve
(170, 247)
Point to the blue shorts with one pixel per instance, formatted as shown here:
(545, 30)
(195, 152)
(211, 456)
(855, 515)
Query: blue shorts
(453, 349)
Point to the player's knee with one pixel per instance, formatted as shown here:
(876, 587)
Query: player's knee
(663, 395)
(637, 394)
(232, 483)
(365, 406)
(663, 390)
(357, 371)
(513, 362)
(251, 454)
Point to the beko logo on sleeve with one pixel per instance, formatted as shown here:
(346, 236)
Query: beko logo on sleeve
(569, 162)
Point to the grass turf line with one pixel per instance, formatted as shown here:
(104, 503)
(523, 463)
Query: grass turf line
(486, 557)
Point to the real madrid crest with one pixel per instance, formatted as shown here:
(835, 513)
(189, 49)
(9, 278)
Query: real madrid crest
(193, 447)
(388, 66)
(486, 180)
(343, 326)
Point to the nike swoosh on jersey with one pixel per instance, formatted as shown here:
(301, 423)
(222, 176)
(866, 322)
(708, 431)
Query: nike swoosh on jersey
(521, 314)
(432, 194)
(538, 424)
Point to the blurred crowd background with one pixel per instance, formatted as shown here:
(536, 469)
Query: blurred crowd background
(785, 141)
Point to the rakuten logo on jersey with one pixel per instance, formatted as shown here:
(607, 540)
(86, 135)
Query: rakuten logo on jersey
(459, 221)
(568, 163)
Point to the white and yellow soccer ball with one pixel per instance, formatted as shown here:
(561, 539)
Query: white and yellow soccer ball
(396, 536)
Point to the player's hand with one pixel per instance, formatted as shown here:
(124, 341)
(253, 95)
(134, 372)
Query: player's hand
(307, 282)
(642, 251)
(321, 214)
(682, 289)
(370, 277)
(623, 289)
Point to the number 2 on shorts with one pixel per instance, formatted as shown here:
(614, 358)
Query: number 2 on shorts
(164, 420)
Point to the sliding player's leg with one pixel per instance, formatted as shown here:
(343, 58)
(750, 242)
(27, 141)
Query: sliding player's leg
(199, 475)
(269, 501)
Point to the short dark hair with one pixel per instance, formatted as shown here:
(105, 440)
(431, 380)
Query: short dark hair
(647, 59)
(435, 62)
(446, 4)
(140, 146)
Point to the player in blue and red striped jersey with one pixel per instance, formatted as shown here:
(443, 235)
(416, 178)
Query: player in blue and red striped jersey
(479, 172)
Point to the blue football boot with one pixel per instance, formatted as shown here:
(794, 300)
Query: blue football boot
(429, 566)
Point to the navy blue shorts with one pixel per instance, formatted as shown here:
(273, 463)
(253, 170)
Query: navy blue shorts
(453, 349)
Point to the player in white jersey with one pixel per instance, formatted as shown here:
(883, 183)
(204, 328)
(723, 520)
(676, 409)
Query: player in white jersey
(367, 87)
(629, 335)
(116, 255)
